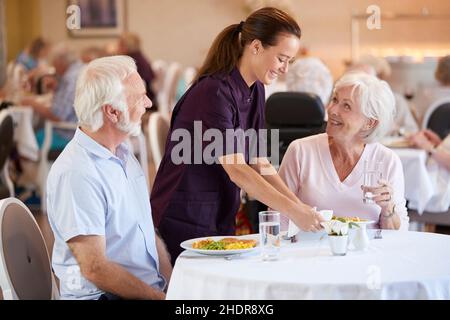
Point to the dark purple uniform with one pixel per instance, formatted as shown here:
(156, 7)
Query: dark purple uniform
(198, 200)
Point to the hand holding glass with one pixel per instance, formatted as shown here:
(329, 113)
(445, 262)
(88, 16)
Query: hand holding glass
(371, 177)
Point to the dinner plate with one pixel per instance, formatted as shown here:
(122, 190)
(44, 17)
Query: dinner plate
(187, 245)
(364, 222)
(396, 142)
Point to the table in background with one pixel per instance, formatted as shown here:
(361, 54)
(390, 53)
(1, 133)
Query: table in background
(419, 187)
(24, 134)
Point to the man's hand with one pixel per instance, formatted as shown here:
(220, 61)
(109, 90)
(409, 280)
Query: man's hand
(89, 251)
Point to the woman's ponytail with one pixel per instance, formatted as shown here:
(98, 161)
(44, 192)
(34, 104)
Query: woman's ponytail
(224, 52)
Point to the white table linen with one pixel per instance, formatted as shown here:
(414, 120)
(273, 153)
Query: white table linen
(24, 134)
(427, 185)
(402, 265)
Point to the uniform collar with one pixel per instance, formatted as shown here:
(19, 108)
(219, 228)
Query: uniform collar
(240, 85)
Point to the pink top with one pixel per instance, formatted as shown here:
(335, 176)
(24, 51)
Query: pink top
(308, 170)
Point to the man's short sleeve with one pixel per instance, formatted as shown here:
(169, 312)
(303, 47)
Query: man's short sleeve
(78, 206)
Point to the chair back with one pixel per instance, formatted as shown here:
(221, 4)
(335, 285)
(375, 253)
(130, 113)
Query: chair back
(6, 145)
(296, 115)
(189, 75)
(159, 67)
(158, 129)
(166, 96)
(437, 117)
(6, 134)
(25, 268)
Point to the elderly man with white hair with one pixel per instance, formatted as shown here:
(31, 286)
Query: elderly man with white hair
(67, 68)
(326, 170)
(98, 201)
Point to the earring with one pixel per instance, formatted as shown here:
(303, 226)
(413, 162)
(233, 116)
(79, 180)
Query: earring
(254, 52)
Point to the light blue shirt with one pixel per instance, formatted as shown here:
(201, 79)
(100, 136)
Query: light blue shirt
(91, 191)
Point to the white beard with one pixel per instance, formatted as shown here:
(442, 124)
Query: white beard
(125, 125)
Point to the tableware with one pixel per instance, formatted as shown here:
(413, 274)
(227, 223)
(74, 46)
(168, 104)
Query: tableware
(371, 177)
(396, 142)
(361, 240)
(338, 245)
(269, 234)
(326, 214)
(187, 245)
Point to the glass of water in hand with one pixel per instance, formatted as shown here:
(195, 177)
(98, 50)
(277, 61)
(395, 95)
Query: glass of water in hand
(371, 176)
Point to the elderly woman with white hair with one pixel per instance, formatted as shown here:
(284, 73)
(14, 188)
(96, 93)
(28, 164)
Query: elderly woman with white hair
(310, 75)
(326, 170)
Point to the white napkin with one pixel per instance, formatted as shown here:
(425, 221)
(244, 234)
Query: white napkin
(294, 230)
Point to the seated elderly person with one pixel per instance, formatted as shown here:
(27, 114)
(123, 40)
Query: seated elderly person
(310, 75)
(326, 170)
(67, 68)
(437, 148)
(32, 55)
(429, 95)
(98, 201)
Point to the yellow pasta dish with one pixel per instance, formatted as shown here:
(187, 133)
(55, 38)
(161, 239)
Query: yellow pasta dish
(224, 244)
(348, 219)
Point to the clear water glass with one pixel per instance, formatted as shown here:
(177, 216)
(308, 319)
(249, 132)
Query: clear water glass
(372, 175)
(269, 234)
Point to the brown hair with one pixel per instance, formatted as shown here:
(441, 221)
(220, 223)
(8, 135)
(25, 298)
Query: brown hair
(36, 47)
(442, 73)
(264, 24)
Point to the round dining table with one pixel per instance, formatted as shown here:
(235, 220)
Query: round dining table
(400, 265)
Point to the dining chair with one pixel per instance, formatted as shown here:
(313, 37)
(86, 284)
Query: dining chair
(6, 145)
(296, 115)
(437, 117)
(166, 95)
(158, 129)
(25, 268)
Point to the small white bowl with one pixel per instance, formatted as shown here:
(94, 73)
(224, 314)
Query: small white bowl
(326, 214)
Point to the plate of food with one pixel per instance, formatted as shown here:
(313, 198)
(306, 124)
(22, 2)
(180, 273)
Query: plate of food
(396, 142)
(221, 245)
(355, 220)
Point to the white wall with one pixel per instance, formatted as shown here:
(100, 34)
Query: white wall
(182, 30)
(2, 45)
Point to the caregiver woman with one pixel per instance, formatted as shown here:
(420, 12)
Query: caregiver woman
(201, 199)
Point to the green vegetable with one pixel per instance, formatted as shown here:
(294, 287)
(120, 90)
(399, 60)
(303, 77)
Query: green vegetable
(215, 245)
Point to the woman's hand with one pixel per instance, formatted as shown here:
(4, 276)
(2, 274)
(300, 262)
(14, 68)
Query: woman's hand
(306, 218)
(420, 140)
(383, 195)
(432, 137)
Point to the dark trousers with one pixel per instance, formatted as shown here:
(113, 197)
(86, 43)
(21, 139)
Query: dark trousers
(109, 296)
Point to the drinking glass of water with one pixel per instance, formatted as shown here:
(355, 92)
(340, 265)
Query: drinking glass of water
(269, 234)
(372, 175)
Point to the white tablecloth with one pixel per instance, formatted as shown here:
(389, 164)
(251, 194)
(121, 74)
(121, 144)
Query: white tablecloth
(424, 187)
(418, 185)
(402, 265)
(23, 132)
